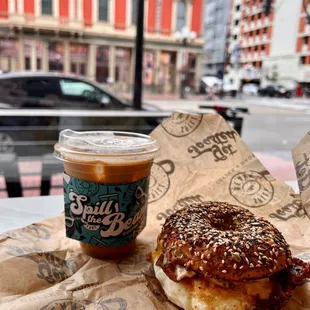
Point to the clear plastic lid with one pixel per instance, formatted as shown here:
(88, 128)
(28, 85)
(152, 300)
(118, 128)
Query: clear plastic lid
(98, 144)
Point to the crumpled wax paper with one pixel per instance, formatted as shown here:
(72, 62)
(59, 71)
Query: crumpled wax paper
(202, 158)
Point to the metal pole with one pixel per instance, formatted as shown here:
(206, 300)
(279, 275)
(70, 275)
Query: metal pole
(137, 96)
(183, 65)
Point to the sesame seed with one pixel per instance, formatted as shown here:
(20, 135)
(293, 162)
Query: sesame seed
(224, 271)
(223, 262)
(235, 266)
(225, 253)
(255, 253)
(240, 267)
(236, 257)
(251, 265)
(208, 256)
(202, 255)
(201, 268)
(247, 261)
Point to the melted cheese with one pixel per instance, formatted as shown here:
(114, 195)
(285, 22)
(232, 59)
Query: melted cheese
(207, 294)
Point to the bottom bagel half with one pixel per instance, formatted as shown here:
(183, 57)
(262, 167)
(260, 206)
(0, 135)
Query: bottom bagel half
(195, 292)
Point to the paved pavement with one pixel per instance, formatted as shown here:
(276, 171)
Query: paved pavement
(256, 105)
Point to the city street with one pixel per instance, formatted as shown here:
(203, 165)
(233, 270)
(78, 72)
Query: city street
(272, 125)
(272, 128)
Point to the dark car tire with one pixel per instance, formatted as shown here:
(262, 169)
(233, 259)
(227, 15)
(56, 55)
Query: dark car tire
(288, 95)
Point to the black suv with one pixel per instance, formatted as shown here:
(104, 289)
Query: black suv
(57, 91)
(35, 107)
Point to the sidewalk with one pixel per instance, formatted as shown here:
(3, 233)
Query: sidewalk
(164, 97)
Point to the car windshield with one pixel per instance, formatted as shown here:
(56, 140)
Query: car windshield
(80, 65)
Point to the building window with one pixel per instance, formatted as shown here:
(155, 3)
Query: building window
(263, 48)
(303, 60)
(102, 64)
(103, 10)
(235, 37)
(47, 7)
(305, 40)
(236, 22)
(181, 13)
(257, 32)
(134, 12)
(265, 30)
(238, 7)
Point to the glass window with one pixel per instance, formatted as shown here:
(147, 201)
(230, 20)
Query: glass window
(134, 12)
(75, 87)
(76, 90)
(103, 10)
(305, 40)
(55, 56)
(181, 14)
(40, 87)
(47, 7)
(236, 22)
(238, 7)
(102, 64)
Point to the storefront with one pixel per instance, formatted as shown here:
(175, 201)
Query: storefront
(111, 64)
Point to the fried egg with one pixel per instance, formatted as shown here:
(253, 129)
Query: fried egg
(197, 293)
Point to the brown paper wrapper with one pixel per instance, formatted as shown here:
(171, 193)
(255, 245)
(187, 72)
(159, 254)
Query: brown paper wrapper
(202, 158)
(301, 160)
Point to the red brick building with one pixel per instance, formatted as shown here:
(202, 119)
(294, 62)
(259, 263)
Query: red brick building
(96, 38)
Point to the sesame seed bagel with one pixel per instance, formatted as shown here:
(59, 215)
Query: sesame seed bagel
(223, 241)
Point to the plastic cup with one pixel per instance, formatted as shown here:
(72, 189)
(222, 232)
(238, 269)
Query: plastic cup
(106, 179)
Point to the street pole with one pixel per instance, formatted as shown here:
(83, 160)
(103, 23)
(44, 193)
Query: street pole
(137, 96)
(183, 65)
(221, 94)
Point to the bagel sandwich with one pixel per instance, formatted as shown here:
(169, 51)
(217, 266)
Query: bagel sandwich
(215, 255)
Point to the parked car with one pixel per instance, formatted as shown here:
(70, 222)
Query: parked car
(275, 91)
(58, 91)
(207, 82)
(250, 89)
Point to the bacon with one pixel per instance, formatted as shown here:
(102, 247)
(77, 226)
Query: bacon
(299, 272)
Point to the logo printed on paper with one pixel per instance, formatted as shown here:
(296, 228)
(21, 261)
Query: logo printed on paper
(105, 214)
(33, 233)
(115, 303)
(181, 124)
(251, 189)
(50, 267)
(219, 144)
(303, 173)
(180, 204)
(289, 211)
(159, 179)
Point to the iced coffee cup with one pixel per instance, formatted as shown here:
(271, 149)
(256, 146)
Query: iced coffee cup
(106, 179)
